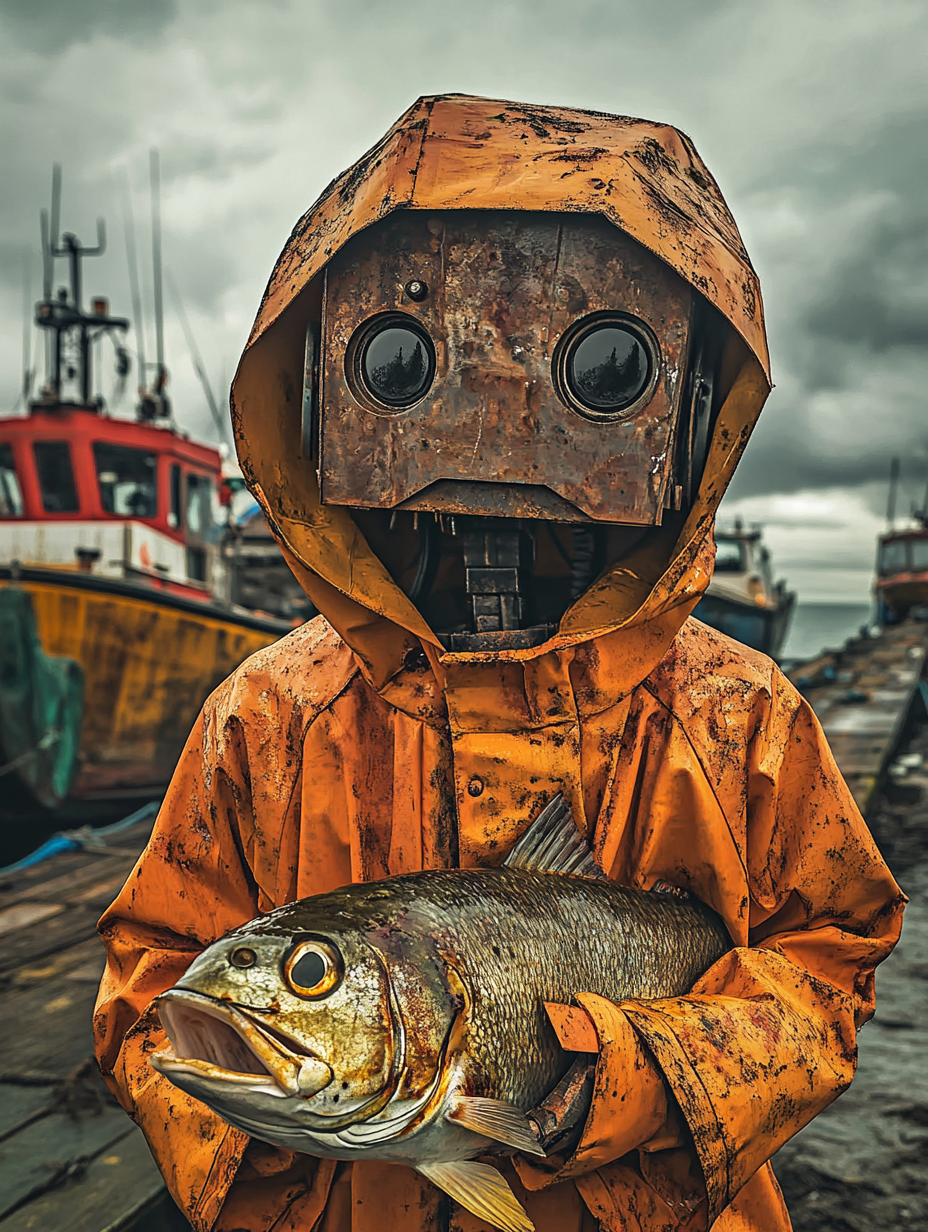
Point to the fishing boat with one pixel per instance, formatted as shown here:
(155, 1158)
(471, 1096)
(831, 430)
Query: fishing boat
(742, 600)
(902, 561)
(258, 577)
(115, 609)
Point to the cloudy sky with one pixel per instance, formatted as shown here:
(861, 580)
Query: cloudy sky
(812, 114)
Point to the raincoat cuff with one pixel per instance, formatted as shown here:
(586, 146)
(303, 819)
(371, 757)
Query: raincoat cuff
(630, 1109)
(691, 1097)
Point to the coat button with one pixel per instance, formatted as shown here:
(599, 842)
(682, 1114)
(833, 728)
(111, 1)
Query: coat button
(475, 787)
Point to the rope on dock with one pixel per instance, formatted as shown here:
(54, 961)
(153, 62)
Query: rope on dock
(50, 738)
(85, 839)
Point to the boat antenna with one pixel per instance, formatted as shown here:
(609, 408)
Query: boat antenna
(48, 261)
(154, 166)
(893, 489)
(222, 426)
(56, 214)
(128, 226)
(28, 370)
(921, 515)
(62, 315)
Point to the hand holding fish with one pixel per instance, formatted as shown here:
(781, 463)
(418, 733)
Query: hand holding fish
(558, 1120)
(404, 1020)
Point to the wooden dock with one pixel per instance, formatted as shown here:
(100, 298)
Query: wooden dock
(70, 1158)
(863, 695)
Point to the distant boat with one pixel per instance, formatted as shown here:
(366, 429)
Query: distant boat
(902, 561)
(742, 600)
(115, 615)
(258, 577)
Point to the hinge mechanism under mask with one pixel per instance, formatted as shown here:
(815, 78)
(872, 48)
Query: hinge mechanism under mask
(496, 556)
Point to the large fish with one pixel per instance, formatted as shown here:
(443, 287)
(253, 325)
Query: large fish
(404, 1019)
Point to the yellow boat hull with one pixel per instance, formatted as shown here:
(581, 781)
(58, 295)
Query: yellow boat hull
(149, 660)
(903, 592)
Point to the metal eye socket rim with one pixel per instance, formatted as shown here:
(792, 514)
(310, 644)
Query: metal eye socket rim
(333, 968)
(571, 339)
(361, 339)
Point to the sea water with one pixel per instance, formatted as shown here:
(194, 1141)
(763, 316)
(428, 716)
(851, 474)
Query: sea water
(822, 626)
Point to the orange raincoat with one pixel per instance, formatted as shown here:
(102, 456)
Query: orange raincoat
(356, 748)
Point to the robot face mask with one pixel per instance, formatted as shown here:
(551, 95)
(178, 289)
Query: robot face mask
(507, 364)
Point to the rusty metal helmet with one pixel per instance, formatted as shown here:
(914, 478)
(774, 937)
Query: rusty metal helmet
(533, 331)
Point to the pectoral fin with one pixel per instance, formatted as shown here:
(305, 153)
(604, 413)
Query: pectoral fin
(481, 1190)
(497, 1120)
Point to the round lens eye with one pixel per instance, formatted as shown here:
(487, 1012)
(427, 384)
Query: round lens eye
(397, 364)
(607, 368)
(312, 969)
(243, 957)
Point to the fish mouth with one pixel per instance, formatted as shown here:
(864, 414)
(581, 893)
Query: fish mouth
(215, 1040)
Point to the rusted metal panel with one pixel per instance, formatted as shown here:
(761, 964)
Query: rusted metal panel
(502, 290)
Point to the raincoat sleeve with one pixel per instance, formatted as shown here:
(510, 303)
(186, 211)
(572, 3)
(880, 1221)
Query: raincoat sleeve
(192, 884)
(702, 1090)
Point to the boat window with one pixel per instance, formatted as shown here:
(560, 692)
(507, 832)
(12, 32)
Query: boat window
(56, 476)
(919, 550)
(729, 556)
(11, 497)
(196, 564)
(127, 480)
(176, 516)
(199, 502)
(893, 556)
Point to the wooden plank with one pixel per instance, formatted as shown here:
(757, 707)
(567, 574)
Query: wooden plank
(48, 937)
(67, 863)
(93, 1173)
(68, 886)
(47, 1151)
(20, 1105)
(74, 963)
(120, 1190)
(862, 696)
(46, 1028)
(26, 915)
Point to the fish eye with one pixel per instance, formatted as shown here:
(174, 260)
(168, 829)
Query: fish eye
(313, 968)
(392, 360)
(243, 957)
(605, 365)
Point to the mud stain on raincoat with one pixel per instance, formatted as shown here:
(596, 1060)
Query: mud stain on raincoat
(356, 748)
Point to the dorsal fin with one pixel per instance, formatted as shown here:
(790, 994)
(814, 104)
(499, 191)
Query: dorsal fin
(553, 844)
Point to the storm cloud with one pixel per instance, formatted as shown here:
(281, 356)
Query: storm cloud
(51, 26)
(812, 117)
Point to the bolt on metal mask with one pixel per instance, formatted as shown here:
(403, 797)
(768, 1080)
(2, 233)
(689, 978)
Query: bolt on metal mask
(507, 364)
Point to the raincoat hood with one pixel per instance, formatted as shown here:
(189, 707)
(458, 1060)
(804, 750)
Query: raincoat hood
(455, 152)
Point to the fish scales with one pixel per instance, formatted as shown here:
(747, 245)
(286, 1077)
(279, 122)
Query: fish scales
(514, 935)
(404, 1020)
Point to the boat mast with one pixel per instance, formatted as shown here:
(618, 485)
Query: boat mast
(64, 313)
(162, 407)
(128, 226)
(893, 489)
(921, 515)
(28, 370)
